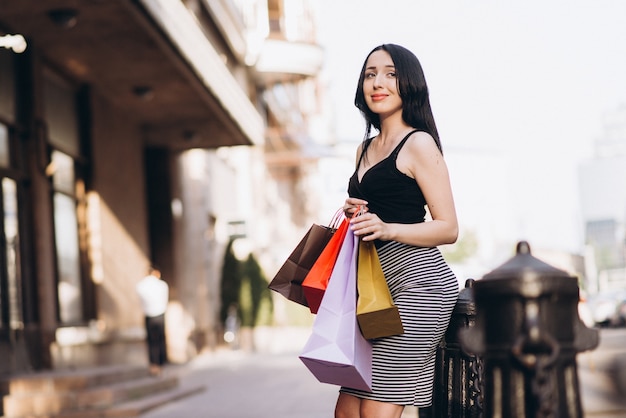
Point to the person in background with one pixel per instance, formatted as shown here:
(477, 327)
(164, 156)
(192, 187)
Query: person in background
(400, 171)
(154, 295)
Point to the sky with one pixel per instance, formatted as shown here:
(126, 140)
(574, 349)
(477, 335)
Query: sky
(519, 91)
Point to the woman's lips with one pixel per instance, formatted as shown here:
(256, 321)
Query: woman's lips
(378, 97)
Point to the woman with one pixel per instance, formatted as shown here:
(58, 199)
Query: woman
(399, 172)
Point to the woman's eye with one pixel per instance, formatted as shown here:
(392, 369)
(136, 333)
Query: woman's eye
(392, 74)
(370, 75)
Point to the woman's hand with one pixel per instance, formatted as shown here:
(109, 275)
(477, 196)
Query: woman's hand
(369, 227)
(352, 205)
(366, 225)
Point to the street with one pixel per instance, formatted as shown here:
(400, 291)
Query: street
(273, 383)
(602, 376)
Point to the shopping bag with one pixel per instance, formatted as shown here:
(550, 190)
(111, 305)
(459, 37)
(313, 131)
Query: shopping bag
(316, 280)
(288, 279)
(376, 313)
(336, 352)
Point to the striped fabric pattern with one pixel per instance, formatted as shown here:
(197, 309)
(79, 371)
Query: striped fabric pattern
(425, 291)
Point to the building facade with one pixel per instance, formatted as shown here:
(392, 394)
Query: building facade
(135, 133)
(602, 181)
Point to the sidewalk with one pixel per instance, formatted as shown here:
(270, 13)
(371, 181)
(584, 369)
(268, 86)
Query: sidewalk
(240, 385)
(274, 383)
(269, 383)
(599, 394)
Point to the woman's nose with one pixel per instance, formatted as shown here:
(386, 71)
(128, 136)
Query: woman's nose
(378, 81)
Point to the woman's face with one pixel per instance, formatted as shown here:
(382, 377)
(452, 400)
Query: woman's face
(380, 85)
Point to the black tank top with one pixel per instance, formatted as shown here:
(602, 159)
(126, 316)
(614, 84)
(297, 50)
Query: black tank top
(391, 194)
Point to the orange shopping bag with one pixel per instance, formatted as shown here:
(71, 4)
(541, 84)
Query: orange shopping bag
(316, 281)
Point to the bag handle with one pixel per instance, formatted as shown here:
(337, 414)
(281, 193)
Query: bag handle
(340, 215)
(337, 218)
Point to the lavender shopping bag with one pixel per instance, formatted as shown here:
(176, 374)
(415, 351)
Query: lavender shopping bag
(336, 352)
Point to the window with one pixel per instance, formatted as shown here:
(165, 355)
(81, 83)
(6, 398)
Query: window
(5, 161)
(11, 314)
(275, 13)
(66, 239)
(11, 236)
(62, 121)
(7, 86)
(61, 117)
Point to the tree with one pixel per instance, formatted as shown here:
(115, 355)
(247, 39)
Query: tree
(231, 282)
(255, 298)
(244, 285)
(465, 248)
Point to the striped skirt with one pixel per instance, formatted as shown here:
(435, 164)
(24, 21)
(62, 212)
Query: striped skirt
(425, 291)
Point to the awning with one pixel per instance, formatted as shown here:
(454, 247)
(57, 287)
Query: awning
(147, 57)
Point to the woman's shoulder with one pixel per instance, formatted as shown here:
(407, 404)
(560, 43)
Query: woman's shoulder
(421, 141)
(421, 136)
(419, 152)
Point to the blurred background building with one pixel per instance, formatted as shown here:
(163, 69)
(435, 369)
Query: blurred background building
(146, 132)
(602, 181)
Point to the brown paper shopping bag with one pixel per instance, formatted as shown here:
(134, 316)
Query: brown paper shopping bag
(376, 312)
(288, 280)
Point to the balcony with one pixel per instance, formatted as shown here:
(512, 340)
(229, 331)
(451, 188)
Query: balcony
(286, 61)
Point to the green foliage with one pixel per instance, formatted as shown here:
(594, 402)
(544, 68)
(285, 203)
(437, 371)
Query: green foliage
(259, 293)
(246, 304)
(244, 284)
(265, 313)
(465, 247)
(231, 281)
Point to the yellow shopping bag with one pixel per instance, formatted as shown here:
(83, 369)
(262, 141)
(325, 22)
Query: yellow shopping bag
(376, 313)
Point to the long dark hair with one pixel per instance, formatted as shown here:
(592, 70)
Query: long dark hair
(413, 91)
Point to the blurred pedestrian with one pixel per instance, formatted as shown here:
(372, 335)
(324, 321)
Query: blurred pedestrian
(399, 172)
(154, 295)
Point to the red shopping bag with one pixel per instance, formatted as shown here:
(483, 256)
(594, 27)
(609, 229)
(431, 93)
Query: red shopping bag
(336, 352)
(316, 281)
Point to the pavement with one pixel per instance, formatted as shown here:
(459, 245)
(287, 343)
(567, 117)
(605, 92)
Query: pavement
(259, 385)
(602, 394)
(272, 382)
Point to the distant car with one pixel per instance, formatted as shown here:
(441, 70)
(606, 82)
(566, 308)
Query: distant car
(584, 313)
(620, 312)
(608, 308)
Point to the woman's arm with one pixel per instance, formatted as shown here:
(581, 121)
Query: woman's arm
(421, 160)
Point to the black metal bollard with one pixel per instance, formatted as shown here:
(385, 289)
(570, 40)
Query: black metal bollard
(528, 332)
(457, 391)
